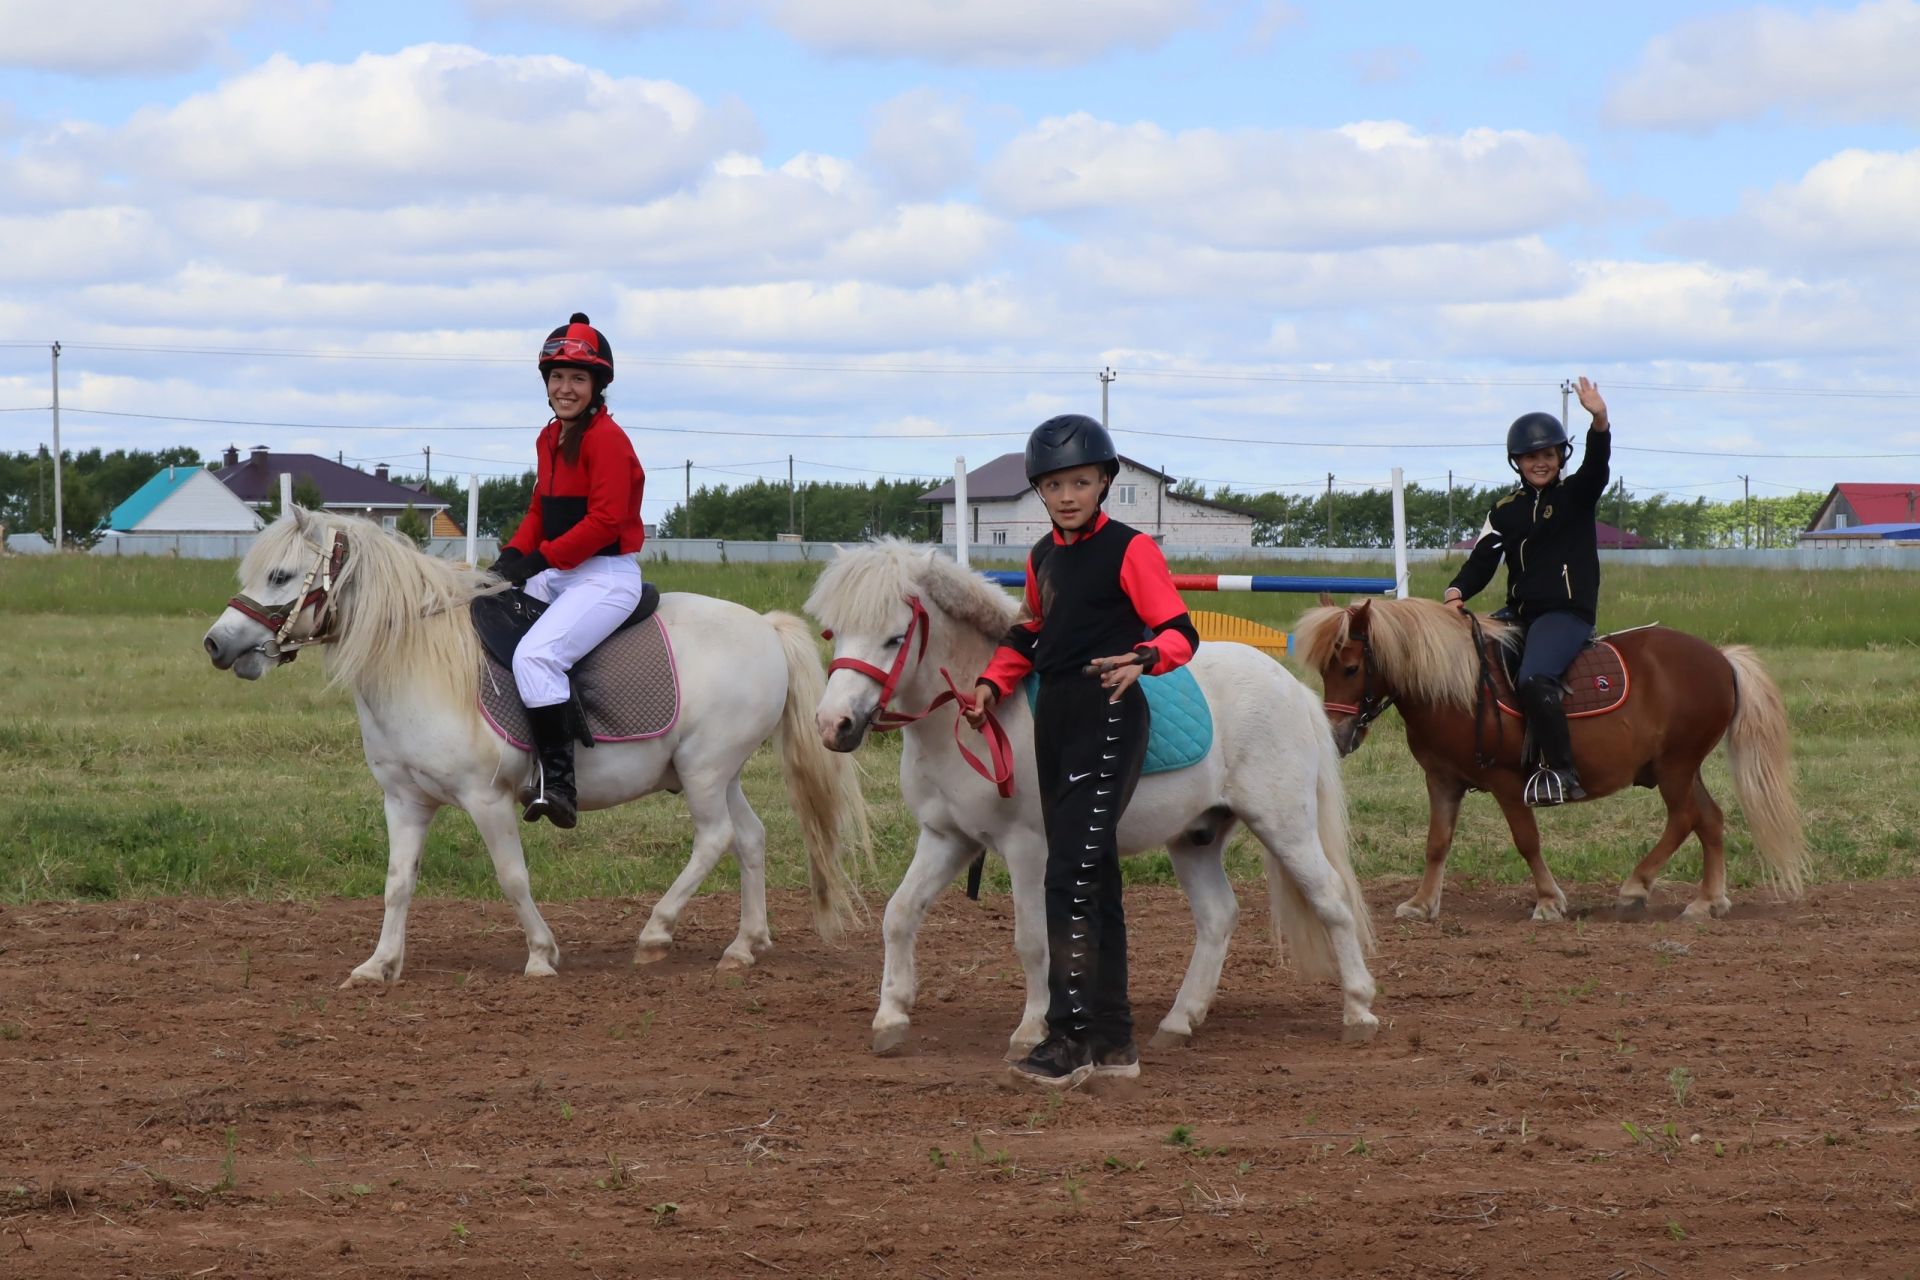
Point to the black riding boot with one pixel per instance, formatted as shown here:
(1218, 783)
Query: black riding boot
(1555, 780)
(551, 794)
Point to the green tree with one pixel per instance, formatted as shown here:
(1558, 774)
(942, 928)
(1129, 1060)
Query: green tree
(412, 525)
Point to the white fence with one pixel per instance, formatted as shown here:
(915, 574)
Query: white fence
(210, 546)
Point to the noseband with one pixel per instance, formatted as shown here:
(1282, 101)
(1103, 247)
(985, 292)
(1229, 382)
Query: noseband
(1372, 704)
(279, 618)
(999, 746)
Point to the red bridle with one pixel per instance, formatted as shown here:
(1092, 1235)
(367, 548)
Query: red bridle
(999, 746)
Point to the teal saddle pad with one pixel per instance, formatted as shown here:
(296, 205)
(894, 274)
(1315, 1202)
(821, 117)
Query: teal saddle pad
(1182, 721)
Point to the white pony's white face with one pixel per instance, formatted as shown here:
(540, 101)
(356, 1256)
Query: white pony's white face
(852, 697)
(270, 582)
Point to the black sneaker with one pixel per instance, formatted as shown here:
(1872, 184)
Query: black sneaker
(1117, 1062)
(1058, 1062)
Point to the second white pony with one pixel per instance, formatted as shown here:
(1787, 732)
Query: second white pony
(1272, 766)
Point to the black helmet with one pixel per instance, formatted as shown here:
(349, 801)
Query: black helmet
(578, 345)
(1532, 431)
(1070, 440)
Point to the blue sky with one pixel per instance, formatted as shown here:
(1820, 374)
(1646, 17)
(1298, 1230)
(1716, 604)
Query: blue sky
(1311, 238)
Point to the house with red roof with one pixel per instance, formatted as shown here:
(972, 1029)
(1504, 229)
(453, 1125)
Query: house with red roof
(1850, 506)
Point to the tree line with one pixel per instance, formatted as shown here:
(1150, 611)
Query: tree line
(96, 481)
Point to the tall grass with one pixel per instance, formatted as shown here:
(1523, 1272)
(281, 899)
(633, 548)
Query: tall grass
(132, 768)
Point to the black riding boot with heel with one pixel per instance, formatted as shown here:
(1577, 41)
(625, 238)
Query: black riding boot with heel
(551, 795)
(1555, 781)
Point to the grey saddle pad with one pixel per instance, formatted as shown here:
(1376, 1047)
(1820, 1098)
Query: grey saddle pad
(628, 686)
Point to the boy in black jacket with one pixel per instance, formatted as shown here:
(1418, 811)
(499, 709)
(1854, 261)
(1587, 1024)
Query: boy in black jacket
(1544, 530)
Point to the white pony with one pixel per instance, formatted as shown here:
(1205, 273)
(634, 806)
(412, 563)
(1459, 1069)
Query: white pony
(1273, 766)
(399, 636)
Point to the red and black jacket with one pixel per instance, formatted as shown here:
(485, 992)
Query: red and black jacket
(1103, 594)
(586, 507)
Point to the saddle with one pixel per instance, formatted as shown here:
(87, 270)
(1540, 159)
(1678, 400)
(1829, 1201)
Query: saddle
(626, 690)
(1596, 683)
(1182, 723)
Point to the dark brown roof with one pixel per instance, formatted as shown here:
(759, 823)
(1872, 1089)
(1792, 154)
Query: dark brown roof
(1006, 477)
(258, 479)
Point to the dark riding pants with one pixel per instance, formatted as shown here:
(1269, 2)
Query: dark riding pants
(1553, 641)
(1089, 752)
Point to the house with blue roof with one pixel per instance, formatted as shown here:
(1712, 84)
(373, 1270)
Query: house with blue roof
(183, 500)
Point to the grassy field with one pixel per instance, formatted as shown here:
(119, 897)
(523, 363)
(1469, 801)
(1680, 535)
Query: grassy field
(129, 767)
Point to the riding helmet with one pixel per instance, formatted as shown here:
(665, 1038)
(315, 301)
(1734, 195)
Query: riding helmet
(1070, 440)
(1532, 431)
(578, 345)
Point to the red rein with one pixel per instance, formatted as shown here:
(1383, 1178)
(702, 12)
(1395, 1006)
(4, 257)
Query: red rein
(999, 746)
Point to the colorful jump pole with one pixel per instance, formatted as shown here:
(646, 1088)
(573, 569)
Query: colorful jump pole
(1239, 582)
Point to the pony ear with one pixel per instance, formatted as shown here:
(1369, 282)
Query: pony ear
(1326, 600)
(299, 517)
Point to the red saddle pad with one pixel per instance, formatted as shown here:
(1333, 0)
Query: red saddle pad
(1597, 683)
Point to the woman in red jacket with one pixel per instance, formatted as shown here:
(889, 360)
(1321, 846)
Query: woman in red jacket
(573, 551)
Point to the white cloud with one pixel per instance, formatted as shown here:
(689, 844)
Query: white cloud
(834, 316)
(102, 37)
(442, 117)
(613, 15)
(1855, 64)
(921, 142)
(1674, 310)
(1852, 206)
(1394, 275)
(984, 32)
(1365, 183)
(72, 245)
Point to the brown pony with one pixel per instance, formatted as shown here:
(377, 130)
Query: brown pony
(1683, 697)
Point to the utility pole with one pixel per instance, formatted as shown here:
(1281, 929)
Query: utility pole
(1107, 375)
(1449, 541)
(1620, 507)
(1329, 508)
(1566, 389)
(689, 520)
(1746, 487)
(59, 512)
(790, 524)
(429, 453)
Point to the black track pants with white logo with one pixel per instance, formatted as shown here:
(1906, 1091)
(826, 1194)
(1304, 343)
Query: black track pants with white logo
(1089, 752)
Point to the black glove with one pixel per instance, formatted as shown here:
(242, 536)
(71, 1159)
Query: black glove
(520, 568)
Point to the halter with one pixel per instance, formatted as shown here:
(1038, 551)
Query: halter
(1372, 705)
(999, 746)
(279, 618)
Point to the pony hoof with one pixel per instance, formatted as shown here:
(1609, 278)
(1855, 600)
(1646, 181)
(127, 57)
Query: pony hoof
(1168, 1039)
(539, 969)
(1633, 904)
(652, 952)
(1411, 910)
(369, 975)
(1697, 910)
(732, 962)
(1549, 913)
(1360, 1032)
(889, 1040)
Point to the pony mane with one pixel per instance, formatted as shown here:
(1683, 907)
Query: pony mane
(399, 614)
(1423, 647)
(860, 591)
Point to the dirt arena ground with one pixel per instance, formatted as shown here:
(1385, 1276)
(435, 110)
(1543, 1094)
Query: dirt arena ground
(186, 1093)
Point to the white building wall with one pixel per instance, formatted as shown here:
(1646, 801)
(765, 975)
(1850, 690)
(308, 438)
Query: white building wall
(1020, 522)
(201, 505)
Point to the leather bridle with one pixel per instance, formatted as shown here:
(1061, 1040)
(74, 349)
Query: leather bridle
(280, 618)
(1373, 702)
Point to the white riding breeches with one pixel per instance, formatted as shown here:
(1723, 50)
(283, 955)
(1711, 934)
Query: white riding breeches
(585, 605)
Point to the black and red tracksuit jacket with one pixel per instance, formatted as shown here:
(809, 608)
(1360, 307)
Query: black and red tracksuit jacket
(589, 506)
(1106, 593)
